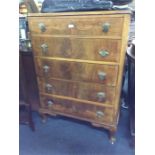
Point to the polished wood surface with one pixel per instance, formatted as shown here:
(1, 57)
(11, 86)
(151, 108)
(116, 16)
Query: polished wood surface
(73, 48)
(77, 71)
(25, 104)
(79, 90)
(30, 77)
(79, 60)
(77, 25)
(77, 109)
(78, 100)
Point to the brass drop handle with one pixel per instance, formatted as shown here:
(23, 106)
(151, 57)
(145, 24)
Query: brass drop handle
(42, 27)
(50, 103)
(105, 27)
(44, 48)
(46, 68)
(102, 75)
(99, 114)
(103, 53)
(101, 96)
(48, 87)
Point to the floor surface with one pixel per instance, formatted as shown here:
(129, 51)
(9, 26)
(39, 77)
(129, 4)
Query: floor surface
(65, 136)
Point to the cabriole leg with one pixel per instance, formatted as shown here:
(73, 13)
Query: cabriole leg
(112, 137)
(44, 117)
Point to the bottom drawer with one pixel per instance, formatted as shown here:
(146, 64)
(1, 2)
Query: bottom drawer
(85, 111)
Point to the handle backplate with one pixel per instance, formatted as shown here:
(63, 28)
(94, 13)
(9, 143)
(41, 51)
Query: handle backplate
(102, 75)
(99, 114)
(103, 53)
(101, 96)
(44, 48)
(46, 68)
(50, 103)
(42, 27)
(48, 87)
(105, 27)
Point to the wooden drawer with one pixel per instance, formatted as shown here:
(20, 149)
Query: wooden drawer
(98, 114)
(77, 71)
(77, 48)
(79, 90)
(77, 25)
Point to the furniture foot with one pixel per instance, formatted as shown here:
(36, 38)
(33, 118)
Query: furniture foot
(44, 118)
(112, 137)
(112, 140)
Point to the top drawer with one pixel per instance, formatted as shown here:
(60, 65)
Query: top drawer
(75, 25)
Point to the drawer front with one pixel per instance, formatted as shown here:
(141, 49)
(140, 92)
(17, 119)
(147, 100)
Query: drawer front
(75, 25)
(77, 48)
(77, 71)
(91, 112)
(79, 90)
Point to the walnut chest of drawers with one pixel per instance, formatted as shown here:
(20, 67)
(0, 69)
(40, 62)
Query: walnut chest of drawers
(79, 59)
